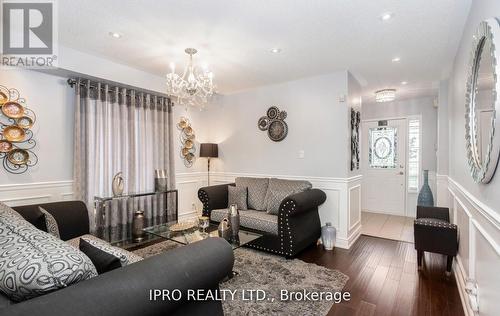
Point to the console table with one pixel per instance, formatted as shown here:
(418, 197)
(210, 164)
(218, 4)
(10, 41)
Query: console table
(122, 234)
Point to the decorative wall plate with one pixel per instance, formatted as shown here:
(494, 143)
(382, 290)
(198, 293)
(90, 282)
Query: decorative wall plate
(188, 144)
(188, 131)
(183, 123)
(189, 157)
(263, 123)
(3, 98)
(14, 133)
(274, 123)
(25, 122)
(18, 156)
(5, 146)
(277, 130)
(273, 112)
(187, 136)
(12, 110)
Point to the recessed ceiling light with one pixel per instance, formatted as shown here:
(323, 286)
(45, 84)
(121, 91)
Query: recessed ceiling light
(386, 16)
(396, 60)
(115, 35)
(275, 50)
(404, 83)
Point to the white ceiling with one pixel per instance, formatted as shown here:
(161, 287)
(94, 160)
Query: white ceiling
(234, 38)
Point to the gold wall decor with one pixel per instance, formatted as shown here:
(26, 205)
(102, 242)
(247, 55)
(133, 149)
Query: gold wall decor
(188, 146)
(16, 136)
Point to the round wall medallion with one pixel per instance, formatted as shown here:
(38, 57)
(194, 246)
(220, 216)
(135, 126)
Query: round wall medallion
(13, 110)
(282, 115)
(18, 156)
(3, 98)
(25, 122)
(5, 146)
(263, 123)
(273, 112)
(14, 133)
(277, 130)
(189, 144)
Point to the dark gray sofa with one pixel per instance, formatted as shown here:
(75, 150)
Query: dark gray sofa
(297, 224)
(125, 291)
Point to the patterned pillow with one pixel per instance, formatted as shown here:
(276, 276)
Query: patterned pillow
(125, 257)
(50, 223)
(238, 196)
(257, 189)
(279, 189)
(33, 262)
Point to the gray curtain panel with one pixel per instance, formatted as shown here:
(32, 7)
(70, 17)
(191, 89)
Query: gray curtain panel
(122, 130)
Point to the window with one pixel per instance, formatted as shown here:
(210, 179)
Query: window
(382, 151)
(413, 153)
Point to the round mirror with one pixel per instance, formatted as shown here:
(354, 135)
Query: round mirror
(482, 104)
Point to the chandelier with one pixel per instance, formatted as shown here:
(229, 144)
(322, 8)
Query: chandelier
(386, 95)
(194, 87)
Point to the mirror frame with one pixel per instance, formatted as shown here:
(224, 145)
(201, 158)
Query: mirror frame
(483, 169)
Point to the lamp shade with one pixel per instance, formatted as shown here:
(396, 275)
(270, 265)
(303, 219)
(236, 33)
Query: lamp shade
(209, 150)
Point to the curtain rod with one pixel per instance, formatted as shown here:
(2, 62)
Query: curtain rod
(72, 82)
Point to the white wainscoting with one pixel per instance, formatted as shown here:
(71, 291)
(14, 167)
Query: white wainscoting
(479, 252)
(35, 193)
(188, 184)
(337, 209)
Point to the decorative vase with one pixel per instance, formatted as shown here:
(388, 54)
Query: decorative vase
(138, 225)
(161, 180)
(328, 236)
(224, 229)
(117, 184)
(234, 220)
(425, 197)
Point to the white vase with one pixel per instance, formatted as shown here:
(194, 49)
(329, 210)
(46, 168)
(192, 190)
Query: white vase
(328, 236)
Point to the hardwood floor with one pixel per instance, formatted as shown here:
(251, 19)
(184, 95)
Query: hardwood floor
(384, 279)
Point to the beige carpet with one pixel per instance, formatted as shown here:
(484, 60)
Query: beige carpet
(262, 271)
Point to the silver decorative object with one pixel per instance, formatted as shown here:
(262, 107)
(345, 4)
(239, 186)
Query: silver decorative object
(224, 229)
(328, 236)
(274, 123)
(234, 219)
(138, 226)
(161, 183)
(481, 124)
(118, 184)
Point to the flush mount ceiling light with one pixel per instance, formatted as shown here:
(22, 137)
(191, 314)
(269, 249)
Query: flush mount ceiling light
(275, 50)
(386, 16)
(194, 87)
(396, 59)
(404, 83)
(115, 35)
(385, 95)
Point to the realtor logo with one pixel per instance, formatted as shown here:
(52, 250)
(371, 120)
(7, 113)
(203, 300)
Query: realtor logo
(28, 34)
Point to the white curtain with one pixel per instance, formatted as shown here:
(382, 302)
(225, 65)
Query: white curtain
(121, 130)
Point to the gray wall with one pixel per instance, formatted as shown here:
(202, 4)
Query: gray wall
(317, 121)
(443, 129)
(402, 108)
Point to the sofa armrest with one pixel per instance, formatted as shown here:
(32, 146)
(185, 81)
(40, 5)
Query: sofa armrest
(213, 197)
(442, 213)
(435, 236)
(126, 291)
(303, 201)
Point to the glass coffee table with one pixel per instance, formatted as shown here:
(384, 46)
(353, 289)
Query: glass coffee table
(194, 234)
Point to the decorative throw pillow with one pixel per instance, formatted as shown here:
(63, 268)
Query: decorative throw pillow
(257, 188)
(47, 264)
(50, 223)
(279, 189)
(102, 260)
(238, 196)
(125, 256)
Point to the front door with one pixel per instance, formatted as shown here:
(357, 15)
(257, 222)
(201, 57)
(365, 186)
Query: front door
(384, 166)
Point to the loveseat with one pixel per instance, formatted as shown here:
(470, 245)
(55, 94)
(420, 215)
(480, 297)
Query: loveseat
(126, 290)
(284, 211)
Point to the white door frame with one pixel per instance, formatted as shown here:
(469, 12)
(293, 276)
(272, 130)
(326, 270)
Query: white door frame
(407, 150)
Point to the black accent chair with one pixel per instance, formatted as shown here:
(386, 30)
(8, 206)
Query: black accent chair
(298, 219)
(126, 291)
(433, 232)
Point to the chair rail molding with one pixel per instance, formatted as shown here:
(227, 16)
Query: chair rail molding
(479, 252)
(36, 192)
